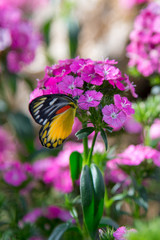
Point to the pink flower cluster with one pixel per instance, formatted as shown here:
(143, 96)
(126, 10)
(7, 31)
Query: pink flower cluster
(89, 81)
(51, 212)
(121, 233)
(26, 5)
(130, 3)
(116, 115)
(132, 156)
(55, 170)
(144, 48)
(18, 38)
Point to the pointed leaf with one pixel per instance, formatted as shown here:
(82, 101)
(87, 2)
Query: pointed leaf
(87, 197)
(60, 230)
(84, 132)
(75, 165)
(92, 195)
(105, 221)
(99, 190)
(104, 137)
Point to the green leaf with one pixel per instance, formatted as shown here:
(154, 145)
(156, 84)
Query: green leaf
(60, 230)
(104, 137)
(92, 195)
(84, 132)
(75, 165)
(99, 190)
(23, 128)
(105, 221)
(87, 196)
(46, 31)
(12, 82)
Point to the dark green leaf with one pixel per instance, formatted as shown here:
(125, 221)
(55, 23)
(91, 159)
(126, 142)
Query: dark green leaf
(73, 30)
(109, 129)
(99, 190)
(104, 137)
(75, 165)
(105, 221)
(23, 128)
(87, 196)
(92, 195)
(12, 82)
(46, 31)
(84, 132)
(60, 230)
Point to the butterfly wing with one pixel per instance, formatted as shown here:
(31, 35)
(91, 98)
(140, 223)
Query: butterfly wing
(57, 129)
(56, 115)
(45, 107)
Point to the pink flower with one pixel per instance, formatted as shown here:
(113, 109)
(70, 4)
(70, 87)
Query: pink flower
(91, 98)
(16, 175)
(90, 76)
(130, 86)
(71, 85)
(131, 126)
(32, 216)
(5, 38)
(121, 232)
(123, 104)
(144, 48)
(113, 116)
(155, 129)
(23, 38)
(53, 212)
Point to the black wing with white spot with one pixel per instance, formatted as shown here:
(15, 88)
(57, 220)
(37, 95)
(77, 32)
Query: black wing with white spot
(45, 107)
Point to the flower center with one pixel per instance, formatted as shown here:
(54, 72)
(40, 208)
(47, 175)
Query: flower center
(113, 115)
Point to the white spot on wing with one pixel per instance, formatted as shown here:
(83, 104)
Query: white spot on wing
(45, 121)
(53, 101)
(37, 116)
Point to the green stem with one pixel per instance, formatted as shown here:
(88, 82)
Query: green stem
(85, 146)
(146, 136)
(91, 150)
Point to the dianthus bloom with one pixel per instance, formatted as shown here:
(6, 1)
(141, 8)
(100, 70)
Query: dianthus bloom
(121, 233)
(18, 37)
(26, 5)
(134, 155)
(91, 83)
(144, 48)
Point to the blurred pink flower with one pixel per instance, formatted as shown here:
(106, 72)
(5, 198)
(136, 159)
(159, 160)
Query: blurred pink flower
(121, 232)
(32, 216)
(50, 212)
(5, 39)
(155, 129)
(23, 37)
(55, 170)
(26, 5)
(15, 175)
(144, 48)
(131, 126)
(8, 149)
(130, 3)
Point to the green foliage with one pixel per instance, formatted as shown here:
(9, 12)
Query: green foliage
(92, 195)
(84, 132)
(146, 230)
(147, 111)
(75, 165)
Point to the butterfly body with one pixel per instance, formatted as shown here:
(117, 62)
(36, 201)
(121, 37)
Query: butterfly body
(56, 113)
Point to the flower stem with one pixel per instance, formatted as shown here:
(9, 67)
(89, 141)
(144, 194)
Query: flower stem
(91, 150)
(85, 146)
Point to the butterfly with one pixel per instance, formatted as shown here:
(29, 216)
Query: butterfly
(56, 113)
